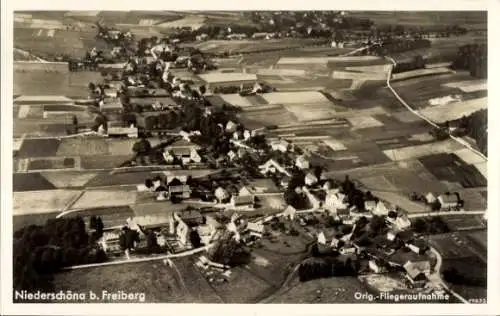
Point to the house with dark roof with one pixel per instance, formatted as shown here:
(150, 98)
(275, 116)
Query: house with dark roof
(417, 272)
(183, 191)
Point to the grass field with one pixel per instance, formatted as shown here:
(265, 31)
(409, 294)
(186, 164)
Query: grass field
(37, 202)
(324, 291)
(33, 181)
(159, 283)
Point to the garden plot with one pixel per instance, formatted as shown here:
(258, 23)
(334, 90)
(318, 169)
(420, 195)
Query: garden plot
(420, 73)
(378, 182)
(236, 100)
(39, 99)
(69, 179)
(121, 147)
(334, 145)
(358, 76)
(401, 201)
(406, 117)
(311, 112)
(469, 85)
(103, 198)
(86, 146)
(382, 69)
(39, 148)
(360, 122)
(295, 97)
(413, 152)
(455, 110)
(257, 119)
(53, 163)
(469, 156)
(281, 72)
(47, 201)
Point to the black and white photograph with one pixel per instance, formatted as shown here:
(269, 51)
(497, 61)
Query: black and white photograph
(248, 157)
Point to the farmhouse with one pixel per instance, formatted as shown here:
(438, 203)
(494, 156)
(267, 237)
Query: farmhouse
(310, 179)
(448, 201)
(289, 212)
(301, 162)
(243, 201)
(416, 272)
(183, 150)
(183, 191)
(217, 80)
(335, 200)
(280, 145)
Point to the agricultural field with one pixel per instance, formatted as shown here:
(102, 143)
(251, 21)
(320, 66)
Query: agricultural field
(244, 46)
(159, 282)
(448, 167)
(39, 202)
(323, 291)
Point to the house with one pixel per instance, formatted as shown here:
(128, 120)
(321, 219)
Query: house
(418, 246)
(328, 185)
(214, 80)
(221, 195)
(335, 243)
(130, 132)
(257, 228)
(182, 190)
(186, 155)
(280, 145)
(290, 212)
(231, 127)
(110, 242)
(310, 179)
(347, 250)
(243, 201)
(448, 201)
(247, 135)
(321, 238)
(381, 209)
(417, 272)
(391, 235)
(232, 155)
(272, 166)
(376, 266)
(399, 223)
(370, 205)
(301, 162)
(430, 198)
(335, 200)
(285, 181)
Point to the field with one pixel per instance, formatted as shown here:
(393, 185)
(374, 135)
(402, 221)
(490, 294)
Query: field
(47, 201)
(242, 46)
(158, 282)
(323, 291)
(103, 198)
(448, 167)
(476, 19)
(57, 81)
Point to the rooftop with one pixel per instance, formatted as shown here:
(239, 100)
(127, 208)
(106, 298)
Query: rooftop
(227, 77)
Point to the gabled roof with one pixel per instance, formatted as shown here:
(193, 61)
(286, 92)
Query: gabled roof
(415, 268)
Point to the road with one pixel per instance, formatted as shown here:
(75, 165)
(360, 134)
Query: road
(407, 106)
(436, 278)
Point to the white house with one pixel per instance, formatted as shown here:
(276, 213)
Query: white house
(231, 126)
(430, 198)
(381, 209)
(290, 212)
(221, 194)
(301, 162)
(335, 200)
(255, 227)
(272, 166)
(280, 145)
(186, 155)
(399, 223)
(375, 267)
(247, 134)
(321, 238)
(310, 179)
(448, 201)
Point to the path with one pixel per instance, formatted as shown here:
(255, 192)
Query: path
(403, 102)
(436, 276)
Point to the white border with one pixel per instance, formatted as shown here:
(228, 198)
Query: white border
(349, 309)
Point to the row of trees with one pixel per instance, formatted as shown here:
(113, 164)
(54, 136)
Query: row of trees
(398, 46)
(324, 267)
(40, 251)
(474, 58)
(229, 251)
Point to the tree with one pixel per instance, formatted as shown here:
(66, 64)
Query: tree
(142, 147)
(128, 238)
(195, 239)
(203, 89)
(151, 241)
(228, 251)
(99, 226)
(377, 225)
(93, 222)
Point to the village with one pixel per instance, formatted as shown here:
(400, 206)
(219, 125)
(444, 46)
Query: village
(192, 158)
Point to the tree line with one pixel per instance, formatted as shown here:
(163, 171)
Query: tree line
(473, 58)
(41, 251)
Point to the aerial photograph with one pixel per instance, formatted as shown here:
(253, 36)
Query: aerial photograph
(250, 157)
